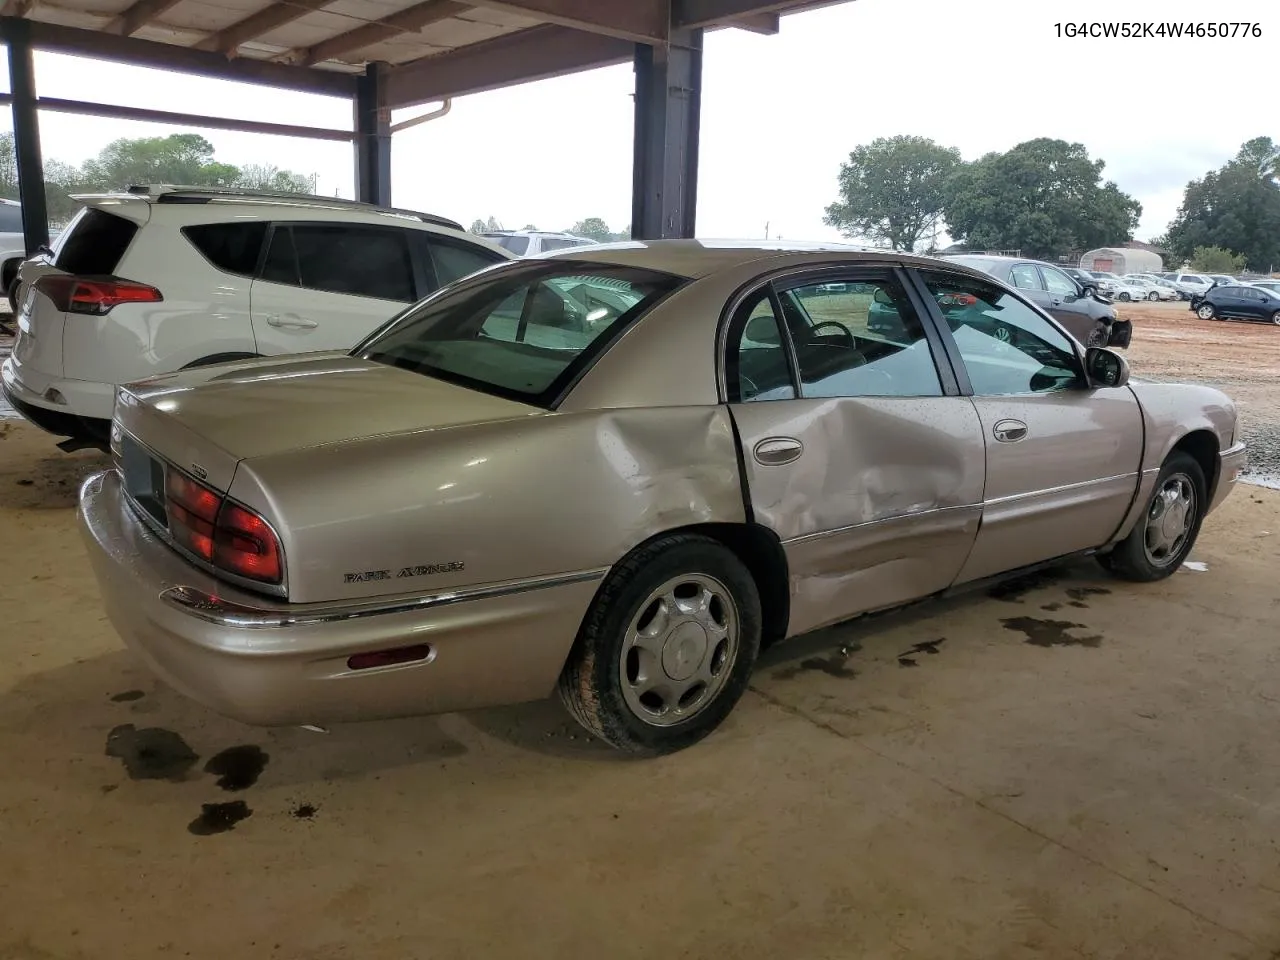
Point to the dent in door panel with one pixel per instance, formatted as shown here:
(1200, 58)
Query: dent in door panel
(883, 563)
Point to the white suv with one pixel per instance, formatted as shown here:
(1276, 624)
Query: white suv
(530, 243)
(161, 278)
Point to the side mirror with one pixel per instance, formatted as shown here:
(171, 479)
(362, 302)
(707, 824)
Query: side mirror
(882, 297)
(1105, 368)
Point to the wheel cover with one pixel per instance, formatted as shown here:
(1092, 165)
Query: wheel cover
(679, 650)
(1169, 520)
(1275, 318)
(1205, 313)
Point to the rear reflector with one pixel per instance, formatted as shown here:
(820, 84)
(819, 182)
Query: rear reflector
(94, 297)
(389, 658)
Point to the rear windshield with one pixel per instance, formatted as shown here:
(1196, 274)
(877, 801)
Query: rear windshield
(10, 218)
(517, 245)
(95, 243)
(524, 331)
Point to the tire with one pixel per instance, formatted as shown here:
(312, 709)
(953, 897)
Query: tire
(1275, 318)
(1133, 557)
(1123, 296)
(1153, 296)
(1206, 312)
(603, 682)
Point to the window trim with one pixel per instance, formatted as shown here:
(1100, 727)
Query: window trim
(953, 348)
(426, 241)
(738, 328)
(1035, 272)
(400, 232)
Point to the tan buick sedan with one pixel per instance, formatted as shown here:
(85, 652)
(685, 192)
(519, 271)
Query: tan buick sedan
(620, 470)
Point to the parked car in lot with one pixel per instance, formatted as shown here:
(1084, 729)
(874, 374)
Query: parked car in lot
(1195, 283)
(1129, 288)
(617, 472)
(1089, 318)
(1238, 302)
(1108, 283)
(1081, 277)
(1272, 285)
(163, 278)
(531, 243)
(1155, 287)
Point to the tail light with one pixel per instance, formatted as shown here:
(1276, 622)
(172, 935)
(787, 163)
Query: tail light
(94, 297)
(227, 535)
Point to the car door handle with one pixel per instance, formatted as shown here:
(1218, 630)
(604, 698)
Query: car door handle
(1057, 301)
(291, 320)
(1009, 431)
(775, 451)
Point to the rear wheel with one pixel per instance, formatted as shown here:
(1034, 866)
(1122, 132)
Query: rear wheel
(1275, 318)
(1206, 312)
(1153, 295)
(1123, 296)
(1168, 527)
(667, 648)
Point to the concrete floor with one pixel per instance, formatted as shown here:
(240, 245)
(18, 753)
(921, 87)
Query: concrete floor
(935, 786)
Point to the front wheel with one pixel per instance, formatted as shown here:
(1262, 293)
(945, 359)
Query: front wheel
(1123, 296)
(1206, 312)
(1275, 318)
(1168, 527)
(1153, 296)
(667, 647)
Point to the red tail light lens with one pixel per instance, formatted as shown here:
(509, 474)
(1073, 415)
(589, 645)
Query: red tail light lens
(94, 297)
(193, 513)
(244, 544)
(227, 535)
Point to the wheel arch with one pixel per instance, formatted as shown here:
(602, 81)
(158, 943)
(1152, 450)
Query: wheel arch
(1202, 446)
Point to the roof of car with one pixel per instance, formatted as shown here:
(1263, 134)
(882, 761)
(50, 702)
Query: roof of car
(700, 258)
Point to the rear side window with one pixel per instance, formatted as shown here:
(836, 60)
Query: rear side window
(10, 218)
(95, 244)
(454, 261)
(358, 261)
(231, 247)
(517, 245)
(559, 243)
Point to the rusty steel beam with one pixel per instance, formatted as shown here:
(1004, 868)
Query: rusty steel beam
(256, 24)
(533, 54)
(169, 56)
(138, 16)
(644, 21)
(409, 20)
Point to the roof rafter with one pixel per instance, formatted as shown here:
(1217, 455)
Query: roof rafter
(255, 25)
(137, 16)
(645, 21)
(409, 20)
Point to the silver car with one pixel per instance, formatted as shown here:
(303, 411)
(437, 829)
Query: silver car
(618, 472)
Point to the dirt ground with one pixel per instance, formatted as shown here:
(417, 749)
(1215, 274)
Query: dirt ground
(1243, 359)
(1069, 768)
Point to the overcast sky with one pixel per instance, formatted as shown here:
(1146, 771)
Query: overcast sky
(779, 113)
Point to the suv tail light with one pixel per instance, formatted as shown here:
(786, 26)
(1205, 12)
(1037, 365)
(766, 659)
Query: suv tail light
(227, 535)
(95, 297)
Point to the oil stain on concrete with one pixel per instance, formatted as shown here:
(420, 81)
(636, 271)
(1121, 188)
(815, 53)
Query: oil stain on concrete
(128, 696)
(1050, 633)
(1013, 590)
(219, 818)
(835, 665)
(151, 753)
(238, 768)
(908, 657)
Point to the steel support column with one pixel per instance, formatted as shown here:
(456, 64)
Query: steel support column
(373, 137)
(26, 137)
(668, 108)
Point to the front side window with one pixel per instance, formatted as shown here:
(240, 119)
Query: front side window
(455, 260)
(1007, 347)
(523, 331)
(1057, 282)
(863, 339)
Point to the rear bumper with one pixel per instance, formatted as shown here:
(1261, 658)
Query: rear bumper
(85, 411)
(271, 663)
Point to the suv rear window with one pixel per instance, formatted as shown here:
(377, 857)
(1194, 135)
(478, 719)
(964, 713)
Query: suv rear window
(10, 218)
(517, 245)
(231, 247)
(525, 331)
(95, 243)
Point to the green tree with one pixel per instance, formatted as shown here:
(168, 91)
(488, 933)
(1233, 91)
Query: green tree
(1217, 260)
(1236, 208)
(267, 176)
(893, 190)
(180, 158)
(477, 226)
(1044, 197)
(593, 228)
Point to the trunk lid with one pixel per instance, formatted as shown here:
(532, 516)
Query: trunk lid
(208, 419)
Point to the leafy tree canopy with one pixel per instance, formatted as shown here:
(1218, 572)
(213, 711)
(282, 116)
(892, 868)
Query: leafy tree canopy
(893, 190)
(1235, 208)
(1217, 260)
(1044, 197)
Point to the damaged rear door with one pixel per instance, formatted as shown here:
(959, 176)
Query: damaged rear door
(859, 452)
